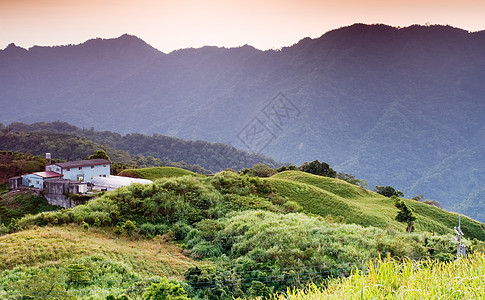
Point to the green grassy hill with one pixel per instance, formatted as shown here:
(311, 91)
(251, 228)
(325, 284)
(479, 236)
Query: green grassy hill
(59, 245)
(157, 173)
(329, 196)
(249, 235)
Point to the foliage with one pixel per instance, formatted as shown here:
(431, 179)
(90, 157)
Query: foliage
(15, 164)
(395, 279)
(432, 202)
(99, 154)
(129, 227)
(42, 285)
(63, 137)
(62, 146)
(318, 168)
(405, 214)
(165, 290)
(259, 170)
(19, 204)
(351, 179)
(388, 191)
(266, 251)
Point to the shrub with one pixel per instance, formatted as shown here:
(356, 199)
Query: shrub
(165, 290)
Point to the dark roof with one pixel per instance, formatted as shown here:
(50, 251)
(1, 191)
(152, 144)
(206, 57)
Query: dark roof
(47, 174)
(84, 163)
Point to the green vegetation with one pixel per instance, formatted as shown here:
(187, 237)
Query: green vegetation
(86, 264)
(157, 173)
(405, 214)
(15, 164)
(70, 142)
(18, 204)
(352, 204)
(388, 191)
(241, 235)
(391, 279)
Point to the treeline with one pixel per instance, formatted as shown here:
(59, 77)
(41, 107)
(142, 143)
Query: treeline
(210, 156)
(14, 164)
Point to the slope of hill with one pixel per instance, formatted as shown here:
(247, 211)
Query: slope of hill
(329, 196)
(400, 107)
(239, 225)
(66, 261)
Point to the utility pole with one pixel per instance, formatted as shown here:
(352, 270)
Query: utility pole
(460, 248)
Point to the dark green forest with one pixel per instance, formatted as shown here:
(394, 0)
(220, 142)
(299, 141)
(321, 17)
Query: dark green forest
(69, 142)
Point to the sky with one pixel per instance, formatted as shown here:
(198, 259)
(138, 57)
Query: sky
(174, 24)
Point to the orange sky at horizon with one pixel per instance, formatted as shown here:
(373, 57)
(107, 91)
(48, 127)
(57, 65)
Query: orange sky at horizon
(169, 25)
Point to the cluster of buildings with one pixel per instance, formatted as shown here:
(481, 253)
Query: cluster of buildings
(59, 181)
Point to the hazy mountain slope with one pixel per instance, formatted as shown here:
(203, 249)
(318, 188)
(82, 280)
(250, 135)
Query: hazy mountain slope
(393, 106)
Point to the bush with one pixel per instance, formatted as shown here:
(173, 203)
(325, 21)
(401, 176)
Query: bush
(318, 168)
(165, 290)
(388, 191)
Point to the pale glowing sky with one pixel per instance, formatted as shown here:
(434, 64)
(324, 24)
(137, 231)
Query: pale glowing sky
(169, 25)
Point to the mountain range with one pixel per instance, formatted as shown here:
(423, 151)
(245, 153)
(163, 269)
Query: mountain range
(395, 106)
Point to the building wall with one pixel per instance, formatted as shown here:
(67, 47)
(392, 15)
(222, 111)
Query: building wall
(33, 180)
(57, 190)
(14, 183)
(87, 173)
(53, 168)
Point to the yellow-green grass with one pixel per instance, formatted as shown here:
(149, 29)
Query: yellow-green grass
(157, 173)
(329, 196)
(44, 246)
(462, 279)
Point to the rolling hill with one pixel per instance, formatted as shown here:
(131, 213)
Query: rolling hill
(396, 106)
(234, 231)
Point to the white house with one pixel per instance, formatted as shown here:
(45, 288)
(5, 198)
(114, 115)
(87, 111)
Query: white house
(81, 170)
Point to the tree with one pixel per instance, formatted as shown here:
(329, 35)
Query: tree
(318, 168)
(259, 170)
(388, 191)
(405, 214)
(165, 290)
(99, 154)
(351, 179)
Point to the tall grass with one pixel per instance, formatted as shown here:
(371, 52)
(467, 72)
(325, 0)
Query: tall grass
(391, 279)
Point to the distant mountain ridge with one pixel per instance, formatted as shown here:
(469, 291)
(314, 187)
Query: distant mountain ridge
(401, 107)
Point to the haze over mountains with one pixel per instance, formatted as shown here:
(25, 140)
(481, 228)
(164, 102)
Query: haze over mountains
(401, 107)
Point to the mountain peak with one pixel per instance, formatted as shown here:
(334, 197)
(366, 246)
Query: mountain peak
(12, 48)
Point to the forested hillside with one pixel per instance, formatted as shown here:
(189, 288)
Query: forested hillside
(397, 106)
(69, 142)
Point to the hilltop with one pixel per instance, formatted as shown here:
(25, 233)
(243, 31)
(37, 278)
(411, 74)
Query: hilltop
(397, 106)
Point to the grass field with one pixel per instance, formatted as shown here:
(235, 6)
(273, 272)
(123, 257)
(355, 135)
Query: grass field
(157, 173)
(329, 196)
(44, 246)
(462, 279)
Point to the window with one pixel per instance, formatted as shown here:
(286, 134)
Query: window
(104, 166)
(80, 168)
(68, 169)
(37, 182)
(92, 167)
(104, 175)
